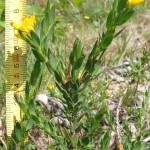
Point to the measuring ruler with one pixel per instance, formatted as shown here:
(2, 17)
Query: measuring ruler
(15, 61)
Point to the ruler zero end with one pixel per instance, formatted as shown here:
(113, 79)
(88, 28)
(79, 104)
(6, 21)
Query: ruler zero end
(15, 61)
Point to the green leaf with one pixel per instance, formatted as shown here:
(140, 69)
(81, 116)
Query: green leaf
(121, 5)
(44, 46)
(35, 39)
(52, 61)
(106, 41)
(37, 87)
(115, 5)
(111, 20)
(48, 21)
(124, 16)
(18, 133)
(77, 52)
(76, 58)
(40, 57)
(96, 70)
(95, 51)
(58, 77)
(48, 128)
(89, 67)
(78, 63)
(30, 124)
(35, 72)
(76, 68)
(36, 119)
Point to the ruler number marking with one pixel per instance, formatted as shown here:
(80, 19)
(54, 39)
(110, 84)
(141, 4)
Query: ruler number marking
(16, 65)
(16, 11)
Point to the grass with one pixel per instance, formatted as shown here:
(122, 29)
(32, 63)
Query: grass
(132, 125)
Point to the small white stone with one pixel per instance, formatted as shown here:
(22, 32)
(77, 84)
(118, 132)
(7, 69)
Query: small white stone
(42, 98)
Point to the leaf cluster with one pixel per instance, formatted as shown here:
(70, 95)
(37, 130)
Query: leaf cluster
(71, 78)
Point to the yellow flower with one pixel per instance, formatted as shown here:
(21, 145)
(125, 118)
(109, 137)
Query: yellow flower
(134, 2)
(86, 17)
(27, 24)
(50, 86)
